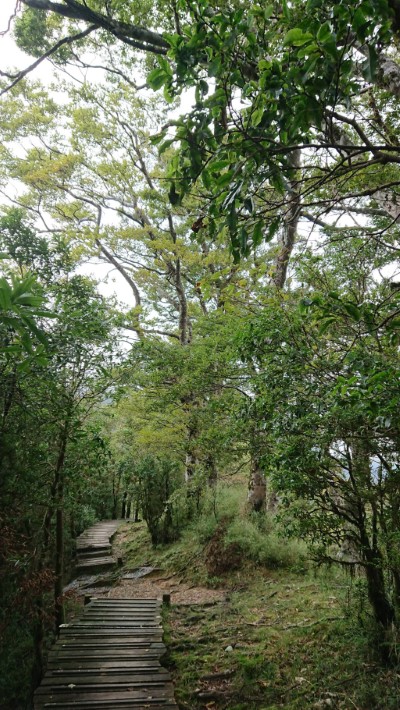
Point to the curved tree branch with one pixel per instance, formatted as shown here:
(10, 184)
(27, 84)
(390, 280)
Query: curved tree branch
(142, 38)
(46, 55)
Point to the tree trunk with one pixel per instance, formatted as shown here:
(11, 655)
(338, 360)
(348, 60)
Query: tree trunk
(136, 517)
(38, 637)
(123, 509)
(291, 221)
(59, 551)
(116, 483)
(256, 496)
(212, 471)
(190, 466)
(382, 608)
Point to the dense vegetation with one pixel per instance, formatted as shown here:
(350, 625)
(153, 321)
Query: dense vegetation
(257, 238)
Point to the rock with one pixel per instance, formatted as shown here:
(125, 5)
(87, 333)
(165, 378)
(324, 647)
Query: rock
(229, 649)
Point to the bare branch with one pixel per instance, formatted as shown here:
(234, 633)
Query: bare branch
(11, 18)
(49, 53)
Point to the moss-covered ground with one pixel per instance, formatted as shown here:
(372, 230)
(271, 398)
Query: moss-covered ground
(281, 634)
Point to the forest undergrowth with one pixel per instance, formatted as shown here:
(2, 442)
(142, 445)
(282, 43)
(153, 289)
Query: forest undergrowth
(282, 634)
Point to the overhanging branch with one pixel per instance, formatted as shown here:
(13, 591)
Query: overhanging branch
(46, 55)
(140, 37)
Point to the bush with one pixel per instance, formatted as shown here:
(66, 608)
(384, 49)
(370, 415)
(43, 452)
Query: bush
(234, 535)
(221, 502)
(160, 501)
(264, 548)
(220, 556)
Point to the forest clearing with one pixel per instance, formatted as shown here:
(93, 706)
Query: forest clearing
(199, 336)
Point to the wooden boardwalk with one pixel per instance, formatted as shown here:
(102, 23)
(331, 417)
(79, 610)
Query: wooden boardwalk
(109, 657)
(94, 548)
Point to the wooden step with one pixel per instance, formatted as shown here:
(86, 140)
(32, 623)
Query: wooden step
(109, 658)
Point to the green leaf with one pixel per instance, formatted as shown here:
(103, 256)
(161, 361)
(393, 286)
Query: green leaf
(219, 165)
(165, 65)
(5, 294)
(394, 323)
(324, 33)
(157, 138)
(206, 179)
(258, 233)
(164, 146)
(285, 10)
(296, 37)
(326, 322)
(214, 67)
(256, 116)
(27, 299)
(308, 49)
(273, 228)
(167, 94)
(352, 311)
(370, 66)
(157, 78)
(225, 178)
(359, 22)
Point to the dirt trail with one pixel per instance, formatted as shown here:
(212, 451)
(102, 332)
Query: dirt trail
(157, 584)
(149, 583)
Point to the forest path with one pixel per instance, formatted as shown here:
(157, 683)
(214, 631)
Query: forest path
(110, 656)
(94, 548)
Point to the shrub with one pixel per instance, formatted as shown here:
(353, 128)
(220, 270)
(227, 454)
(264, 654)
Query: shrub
(268, 549)
(157, 483)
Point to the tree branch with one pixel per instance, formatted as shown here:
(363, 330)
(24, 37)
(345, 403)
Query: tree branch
(145, 39)
(49, 53)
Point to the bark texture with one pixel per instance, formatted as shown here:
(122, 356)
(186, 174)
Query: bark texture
(257, 488)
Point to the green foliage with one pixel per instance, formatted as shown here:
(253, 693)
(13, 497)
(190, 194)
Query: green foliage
(294, 66)
(267, 549)
(35, 33)
(15, 654)
(21, 304)
(53, 461)
(156, 483)
(294, 123)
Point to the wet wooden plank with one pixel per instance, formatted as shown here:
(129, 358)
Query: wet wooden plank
(97, 680)
(110, 658)
(127, 693)
(141, 666)
(110, 704)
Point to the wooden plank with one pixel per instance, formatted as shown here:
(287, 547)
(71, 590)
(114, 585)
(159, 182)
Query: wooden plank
(109, 682)
(129, 654)
(87, 666)
(121, 641)
(109, 658)
(126, 602)
(127, 693)
(94, 677)
(110, 704)
(107, 637)
(123, 612)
